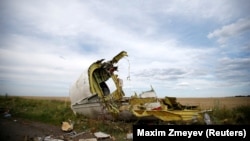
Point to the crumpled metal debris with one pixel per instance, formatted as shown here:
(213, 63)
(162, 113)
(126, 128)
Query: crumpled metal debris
(73, 134)
(5, 112)
(50, 138)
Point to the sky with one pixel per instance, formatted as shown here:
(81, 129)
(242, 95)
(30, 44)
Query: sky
(184, 48)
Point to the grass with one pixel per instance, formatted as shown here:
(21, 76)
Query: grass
(47, 111)
(237, 115)
(55, 111)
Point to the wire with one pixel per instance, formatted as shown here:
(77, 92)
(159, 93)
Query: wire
(128, 77)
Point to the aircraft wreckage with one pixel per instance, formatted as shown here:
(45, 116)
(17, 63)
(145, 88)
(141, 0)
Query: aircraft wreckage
(91, 96)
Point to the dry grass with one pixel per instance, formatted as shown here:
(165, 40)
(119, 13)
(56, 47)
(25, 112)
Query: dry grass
(234, 109)
(45, 98)
(204, 103)
(218, 102)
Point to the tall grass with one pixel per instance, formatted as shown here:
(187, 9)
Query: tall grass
(237, 115)
(48, 111)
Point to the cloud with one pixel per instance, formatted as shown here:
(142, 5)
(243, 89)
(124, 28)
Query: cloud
(46, 45)
(32, 62)
(232, 30)
(234, 71)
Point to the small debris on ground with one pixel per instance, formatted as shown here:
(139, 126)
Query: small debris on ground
(67, 126)
(129, 136)
(90, 139)
(101, 135)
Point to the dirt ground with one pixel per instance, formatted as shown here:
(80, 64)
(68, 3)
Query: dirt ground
(23, 130)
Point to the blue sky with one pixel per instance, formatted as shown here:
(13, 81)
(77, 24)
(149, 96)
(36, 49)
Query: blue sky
(185, 48)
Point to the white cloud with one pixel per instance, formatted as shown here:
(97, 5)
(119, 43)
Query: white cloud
(232, 30)
(196, 11)
(50, 43)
